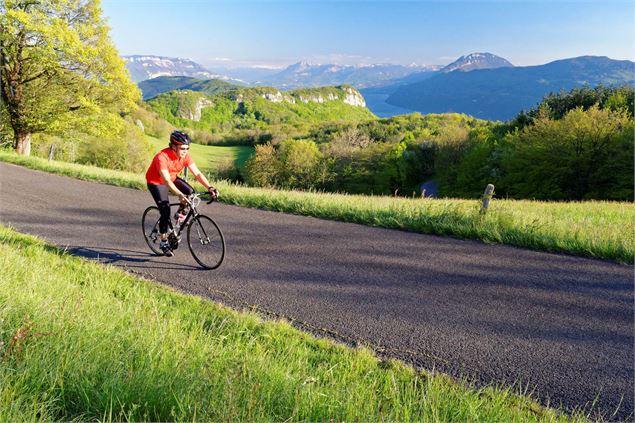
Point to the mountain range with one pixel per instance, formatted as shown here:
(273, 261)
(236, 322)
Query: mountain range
(148, 67)
(304, 74)
(501, 93)
(480, 84)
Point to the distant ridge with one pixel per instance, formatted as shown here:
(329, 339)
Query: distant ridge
(501, 93)
(163, 84)
(305, 74)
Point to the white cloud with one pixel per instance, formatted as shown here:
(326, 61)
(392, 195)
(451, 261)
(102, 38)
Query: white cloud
(266, 66)
(339, 59)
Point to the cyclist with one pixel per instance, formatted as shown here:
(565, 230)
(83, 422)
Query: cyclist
(161, 177)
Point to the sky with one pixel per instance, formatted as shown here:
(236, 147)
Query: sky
(433, 32)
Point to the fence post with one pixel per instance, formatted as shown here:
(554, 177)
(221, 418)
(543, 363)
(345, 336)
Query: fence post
(185, 173)
(51, 152)
(487, 196)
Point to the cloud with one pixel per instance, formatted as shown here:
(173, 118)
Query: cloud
(266, 66)
(339, 59)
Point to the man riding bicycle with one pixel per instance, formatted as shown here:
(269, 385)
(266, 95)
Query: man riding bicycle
(161, 177)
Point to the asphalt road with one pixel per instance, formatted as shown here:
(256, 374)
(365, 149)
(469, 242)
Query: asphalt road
(560, 326)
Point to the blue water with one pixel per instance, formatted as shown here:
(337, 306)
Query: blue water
(377, 104)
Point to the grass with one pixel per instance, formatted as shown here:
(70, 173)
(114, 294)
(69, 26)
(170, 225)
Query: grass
(593, 228)
(209, 156)
(82, 341)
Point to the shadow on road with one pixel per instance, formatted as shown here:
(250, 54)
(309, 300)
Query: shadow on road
(125, 258)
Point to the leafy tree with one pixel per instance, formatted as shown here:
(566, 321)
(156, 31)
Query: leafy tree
(586, 154)
(557, 105)
(59, 69)
(453, 142)
(301, 163)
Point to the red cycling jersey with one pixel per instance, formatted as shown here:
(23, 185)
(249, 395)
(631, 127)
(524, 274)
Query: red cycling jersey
(166, 159)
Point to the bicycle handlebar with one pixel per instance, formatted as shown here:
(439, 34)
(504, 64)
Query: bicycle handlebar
(211, 198)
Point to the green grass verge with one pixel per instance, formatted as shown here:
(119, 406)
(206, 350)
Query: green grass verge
(211, 156)
(593, 228)
(82, 341)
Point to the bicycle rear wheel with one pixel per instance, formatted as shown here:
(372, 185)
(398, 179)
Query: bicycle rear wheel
(150, 223)
(206, 242)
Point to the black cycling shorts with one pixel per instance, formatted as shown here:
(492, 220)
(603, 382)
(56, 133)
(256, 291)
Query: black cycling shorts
(160, 195)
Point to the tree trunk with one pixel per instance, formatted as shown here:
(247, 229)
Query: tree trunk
(22, 143)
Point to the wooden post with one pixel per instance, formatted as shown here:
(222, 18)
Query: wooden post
(51, 152)
(487, 196)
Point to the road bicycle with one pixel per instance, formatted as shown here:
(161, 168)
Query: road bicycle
(204, 238)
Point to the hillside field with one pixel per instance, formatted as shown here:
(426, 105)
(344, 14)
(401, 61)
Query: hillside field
(209, 157)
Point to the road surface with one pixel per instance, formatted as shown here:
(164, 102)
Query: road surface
(560, 325)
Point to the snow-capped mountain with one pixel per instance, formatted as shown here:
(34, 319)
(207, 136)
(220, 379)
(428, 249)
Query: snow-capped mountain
(305, 74)
(148, 67)
(477, 61)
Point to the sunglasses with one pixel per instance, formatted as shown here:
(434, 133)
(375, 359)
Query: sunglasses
(184, 148)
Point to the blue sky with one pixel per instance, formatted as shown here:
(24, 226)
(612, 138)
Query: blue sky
(278, 33)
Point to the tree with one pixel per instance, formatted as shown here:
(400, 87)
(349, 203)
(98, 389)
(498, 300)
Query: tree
(301, 163)
(586, 154)
(59, 68)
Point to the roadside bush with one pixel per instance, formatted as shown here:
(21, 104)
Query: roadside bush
(129, 151)
(226, 170)
(264, 167)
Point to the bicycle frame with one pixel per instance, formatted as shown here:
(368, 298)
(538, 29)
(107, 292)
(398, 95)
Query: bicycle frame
(192, 213)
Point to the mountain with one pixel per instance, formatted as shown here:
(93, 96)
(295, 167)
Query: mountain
(148, 67)
(377, 96)
(162, 84)
(477, 61)
(501, 93)
(260, 109)
(304, 74)
(249, 75)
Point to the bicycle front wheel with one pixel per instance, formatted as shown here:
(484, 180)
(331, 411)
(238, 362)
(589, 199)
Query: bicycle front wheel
(150, 223)
(206, 242)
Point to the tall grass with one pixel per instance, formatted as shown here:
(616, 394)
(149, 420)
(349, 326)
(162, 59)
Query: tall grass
(80, 341)
(593, 228)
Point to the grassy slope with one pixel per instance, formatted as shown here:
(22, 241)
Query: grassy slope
(207, 156)
(258, 112)
(593, 228)
(87, 342)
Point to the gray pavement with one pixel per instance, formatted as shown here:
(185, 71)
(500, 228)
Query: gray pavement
(558, 325)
